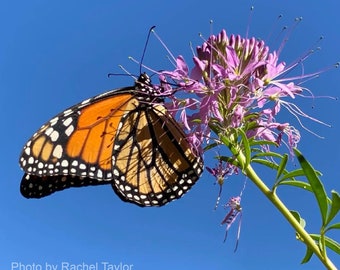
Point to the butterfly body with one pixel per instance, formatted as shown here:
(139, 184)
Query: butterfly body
(123, 137)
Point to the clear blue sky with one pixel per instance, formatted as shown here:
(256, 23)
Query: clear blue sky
(54, 54)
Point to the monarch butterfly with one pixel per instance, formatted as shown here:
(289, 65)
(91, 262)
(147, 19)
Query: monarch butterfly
(124, 137)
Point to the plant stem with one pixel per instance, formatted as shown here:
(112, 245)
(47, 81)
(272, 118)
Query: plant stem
(307, 239)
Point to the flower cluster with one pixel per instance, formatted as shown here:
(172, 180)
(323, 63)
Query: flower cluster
(237, 83)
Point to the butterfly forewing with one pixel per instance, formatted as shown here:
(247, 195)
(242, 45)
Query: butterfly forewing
(74, 145)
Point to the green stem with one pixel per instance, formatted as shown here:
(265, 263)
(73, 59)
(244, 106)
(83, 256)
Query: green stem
(251, 174)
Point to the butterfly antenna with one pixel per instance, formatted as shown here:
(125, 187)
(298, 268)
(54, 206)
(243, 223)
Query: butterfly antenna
(145, 46)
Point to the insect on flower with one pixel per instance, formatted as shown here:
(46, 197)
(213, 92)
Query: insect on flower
(124, 137)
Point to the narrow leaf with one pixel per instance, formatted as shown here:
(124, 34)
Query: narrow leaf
(267, 154)
(333, 226)
(267, 163)
(308, 255)
(316, 184)
(229, 160)
(300, 184)
(210, 146)
(246, 147)
(282, 166)
(296, 173)
(330, 243)
(263, 143)
(335, 206)
(296, 183)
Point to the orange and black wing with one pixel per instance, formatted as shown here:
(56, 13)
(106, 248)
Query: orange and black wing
(124, 137)
(153, 163)
(75, 147)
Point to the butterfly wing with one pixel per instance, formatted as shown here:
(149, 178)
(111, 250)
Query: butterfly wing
(33, 186)
(75, 147)
(153, 163)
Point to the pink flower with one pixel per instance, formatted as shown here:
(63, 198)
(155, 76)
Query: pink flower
(236, 83)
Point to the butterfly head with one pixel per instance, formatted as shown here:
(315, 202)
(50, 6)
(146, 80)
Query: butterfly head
(146, 91)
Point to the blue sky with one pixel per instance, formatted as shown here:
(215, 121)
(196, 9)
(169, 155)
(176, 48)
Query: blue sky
(54, 54)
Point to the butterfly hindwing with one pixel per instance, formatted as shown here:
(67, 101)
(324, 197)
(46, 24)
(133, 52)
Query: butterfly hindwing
(152, 161)
(33, 186)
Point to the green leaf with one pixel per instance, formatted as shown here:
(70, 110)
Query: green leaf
(308, 255)
(335, 206)
(263, 143)
(296, 183)
(333, 226)
(291, 175)
(316, 184)
(282, 166)
(246, 147)
(267, 154)
(210, 146)
(330, 243)
(267, 163)
(295, 173)
(300, 184)
(229, 160)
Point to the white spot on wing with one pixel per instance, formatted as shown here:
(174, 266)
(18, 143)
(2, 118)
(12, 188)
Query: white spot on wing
(86, 101)
(67, 121)
(54, 136)
(64, 163)
(69, 130)
(54, 121)
(28, 151)
(115, 172)
(67, 112)
(58, 151)
(82, 166)
(49, 131)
